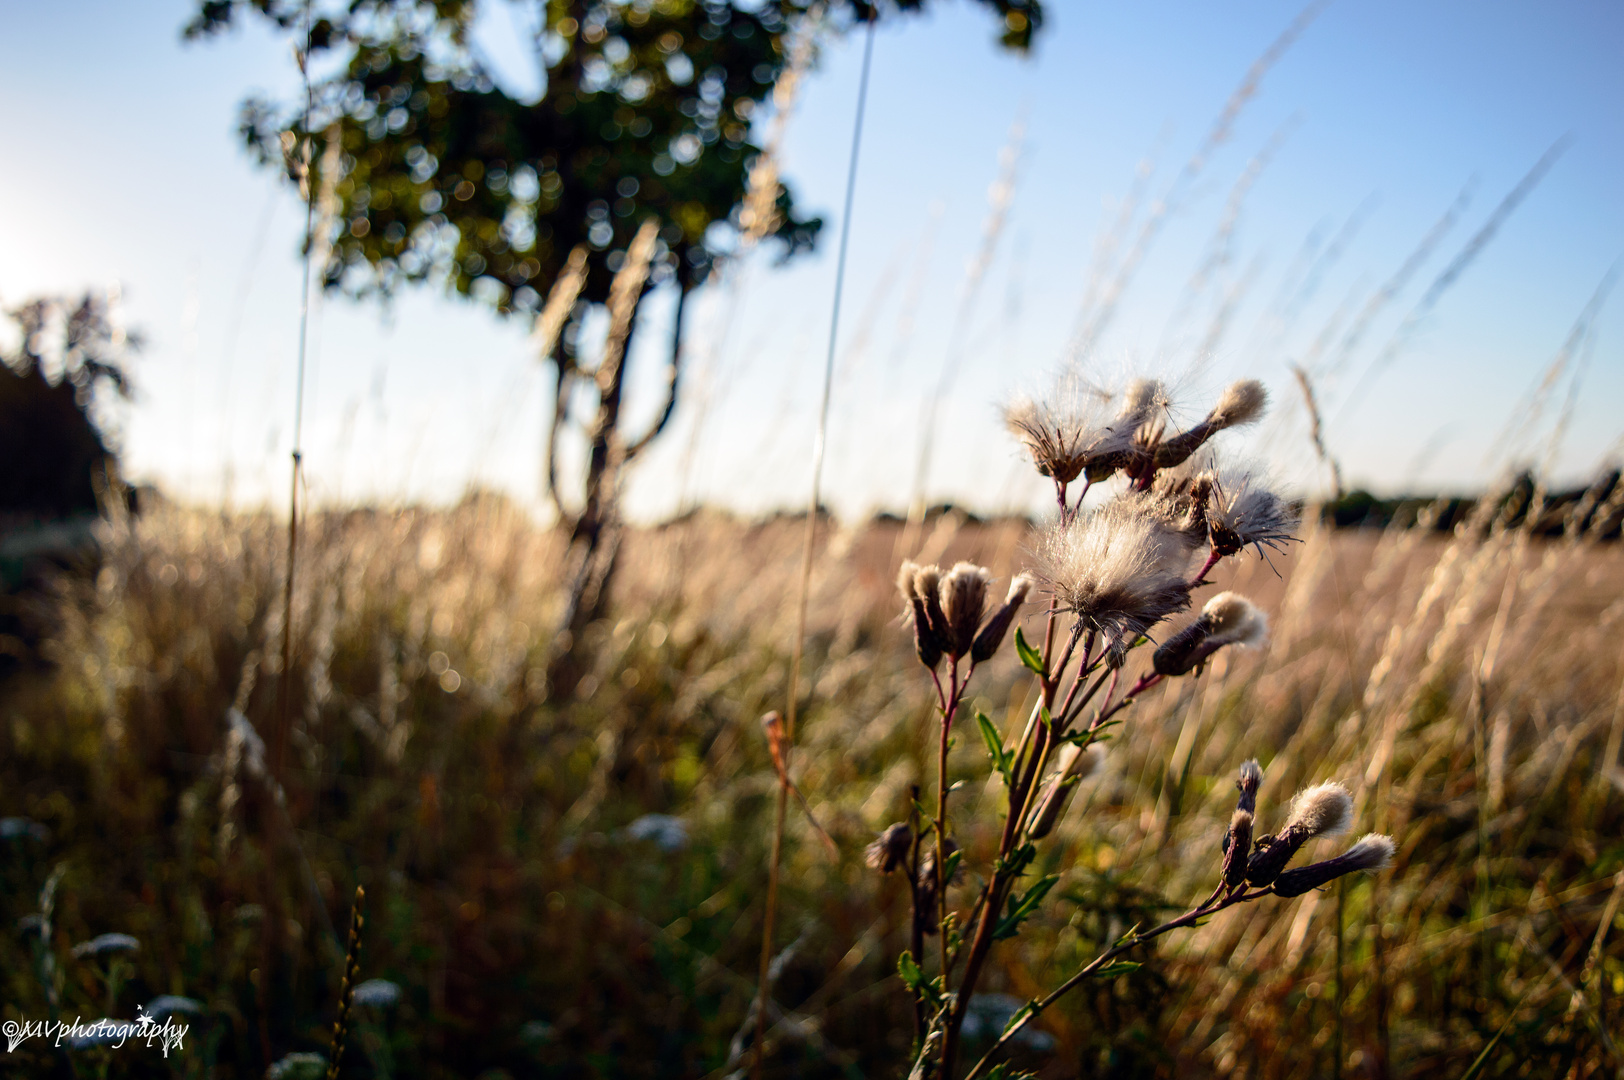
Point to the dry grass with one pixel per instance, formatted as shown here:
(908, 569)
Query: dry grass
(1467, 690)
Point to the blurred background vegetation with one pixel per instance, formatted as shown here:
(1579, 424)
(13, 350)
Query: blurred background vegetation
(564, 877)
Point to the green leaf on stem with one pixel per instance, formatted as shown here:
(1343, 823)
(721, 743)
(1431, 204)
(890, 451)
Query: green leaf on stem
(1001, 1072)
(1003, 761)
(1029, 656)
(951, 866)
(1043, 715)
(1121, 967)
(1021, 908)
(911, 975)
(1132, 930)
(1020, 1014)
(1017, 861)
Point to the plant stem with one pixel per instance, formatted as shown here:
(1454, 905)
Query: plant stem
(1189, 918)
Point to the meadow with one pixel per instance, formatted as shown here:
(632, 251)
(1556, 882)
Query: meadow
(573, 888)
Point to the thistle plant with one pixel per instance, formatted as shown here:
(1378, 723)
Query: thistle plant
(1112, 576)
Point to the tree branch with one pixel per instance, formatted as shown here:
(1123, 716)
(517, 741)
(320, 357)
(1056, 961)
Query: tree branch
(672, 383)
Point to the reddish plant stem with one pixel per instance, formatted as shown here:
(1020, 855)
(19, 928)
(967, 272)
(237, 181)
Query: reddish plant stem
(949, 709)
(1206, 568)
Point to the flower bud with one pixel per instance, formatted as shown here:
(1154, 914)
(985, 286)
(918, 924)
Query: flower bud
(1372, 852)
(1227, 619)
(1076, 764)
(1322, 810)
(1237, 843)
(964, 598)
(992, 635)
(890, 849)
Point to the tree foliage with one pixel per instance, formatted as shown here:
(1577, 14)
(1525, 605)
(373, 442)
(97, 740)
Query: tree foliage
(647, 108)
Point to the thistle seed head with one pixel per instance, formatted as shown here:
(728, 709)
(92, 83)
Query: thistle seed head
(890, 849)
(1372, 852)
(964, 598)
(992, 635)
(1322, 810)
(1243, 511)
(1250, 779)
(905, 581)
(1241, 403)
(1235, 620)
(1076, 427)
(928, 584)
(927, 644)
(1121, 570)
(1227, 619)
(1237, 845)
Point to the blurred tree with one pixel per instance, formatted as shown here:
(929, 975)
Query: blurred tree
(57, 460)
(444, 176)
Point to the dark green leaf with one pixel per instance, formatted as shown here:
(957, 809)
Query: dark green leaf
(1022, 907)
(1029, 656)
(1121, 967)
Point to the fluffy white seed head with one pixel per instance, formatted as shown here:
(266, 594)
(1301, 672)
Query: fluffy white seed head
(964, 599)
(1120, 569)
(1079, 422)
(1322, 810)
(1242, 511)
(1020, 587)
(906, 575)
(1241, 403)
(1373, 852)
(1235, 620)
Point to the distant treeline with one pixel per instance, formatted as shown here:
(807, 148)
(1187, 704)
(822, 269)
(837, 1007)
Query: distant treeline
(1595, 510)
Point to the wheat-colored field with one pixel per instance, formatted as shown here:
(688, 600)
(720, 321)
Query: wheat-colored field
(1468, 689)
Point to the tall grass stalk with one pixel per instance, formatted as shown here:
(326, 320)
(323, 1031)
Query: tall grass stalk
(804, 582)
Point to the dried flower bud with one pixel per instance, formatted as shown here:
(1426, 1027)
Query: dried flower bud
(992, 635)
(926, 892)
(964, 598)
(890, 848)
(1076, 765)
(1240, 403)
(1227, 619)
(1237, 844)
(1322, 810)
(1372, 852)
(1250, 779)
(928, 584)
(926, 645)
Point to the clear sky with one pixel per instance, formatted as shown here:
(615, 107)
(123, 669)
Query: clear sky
(122, 165)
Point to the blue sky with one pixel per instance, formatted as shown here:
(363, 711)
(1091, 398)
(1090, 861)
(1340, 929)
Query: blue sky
(122, 166)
